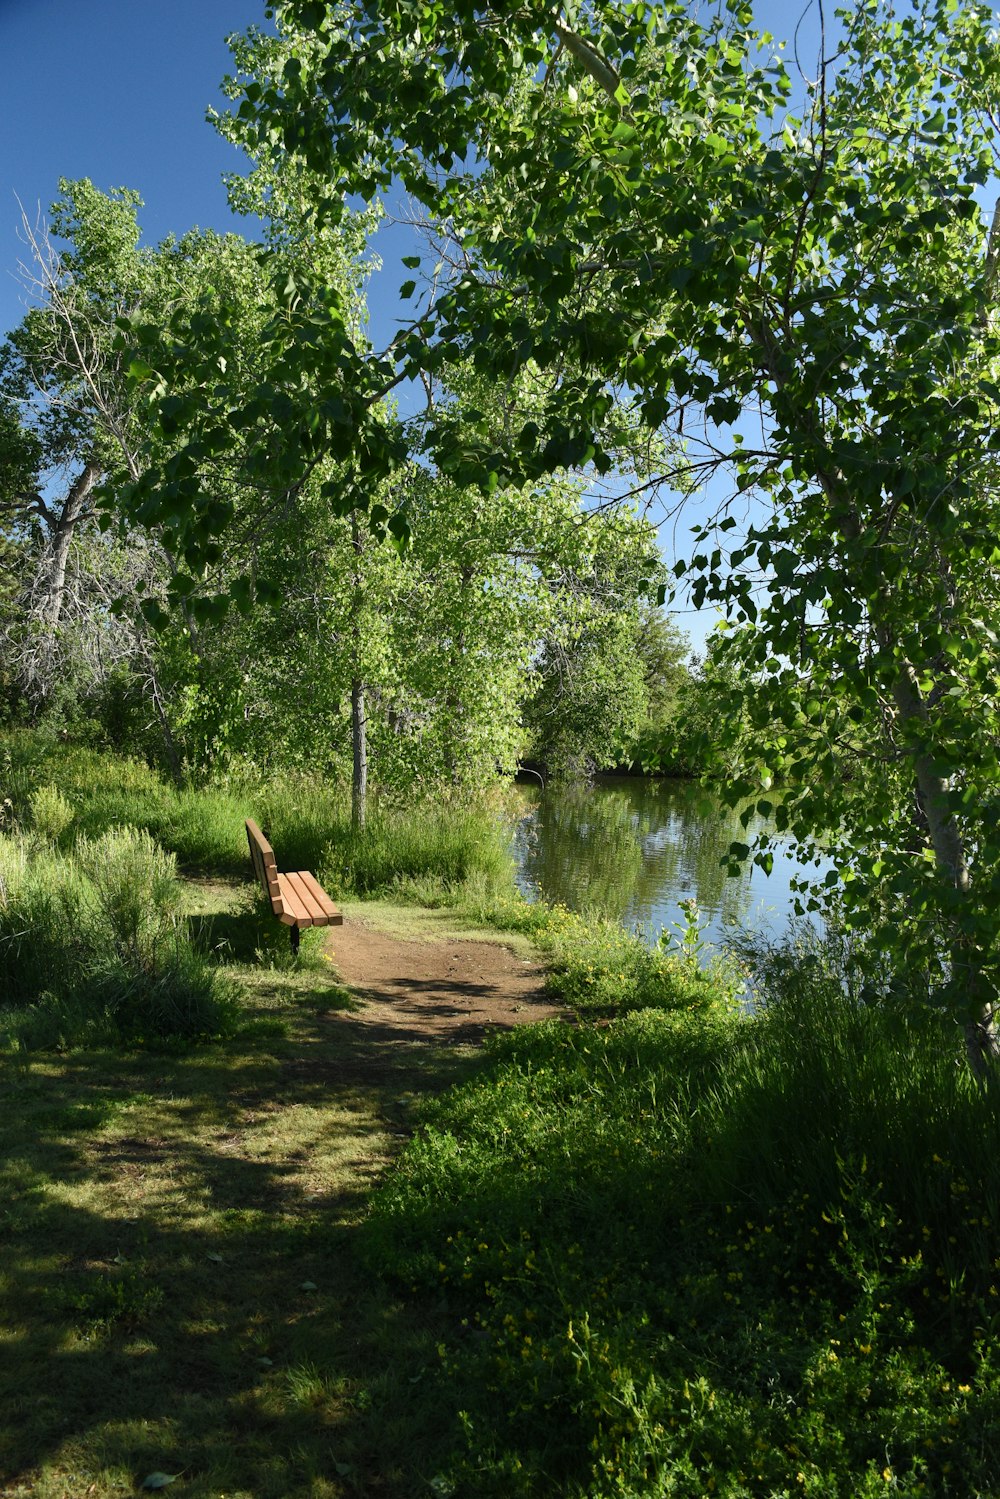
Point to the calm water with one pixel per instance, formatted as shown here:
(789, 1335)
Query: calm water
(634, 848)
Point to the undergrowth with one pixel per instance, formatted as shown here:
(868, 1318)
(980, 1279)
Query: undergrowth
(692, 1252)
(421, 851)
(92, 946)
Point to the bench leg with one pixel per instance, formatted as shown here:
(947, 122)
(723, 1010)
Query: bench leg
(293, 933)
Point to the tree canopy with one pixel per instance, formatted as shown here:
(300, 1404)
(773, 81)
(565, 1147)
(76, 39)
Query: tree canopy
(632, 208)
(657, 257)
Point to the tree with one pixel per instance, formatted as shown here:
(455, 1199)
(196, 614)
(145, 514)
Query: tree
(592, 693)
(441, 688)
(93, 582)
(63, 385)
(638, 211)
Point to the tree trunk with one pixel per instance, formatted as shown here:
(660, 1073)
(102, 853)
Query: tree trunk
(359, 720)
(982, 1043)
(169, 742)
(454, 705)
(359, 740)
(74, 507)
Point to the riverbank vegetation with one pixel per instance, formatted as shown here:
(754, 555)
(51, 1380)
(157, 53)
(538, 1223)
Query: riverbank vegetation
(670, 1247)
(663, 1280)
(728, 1228)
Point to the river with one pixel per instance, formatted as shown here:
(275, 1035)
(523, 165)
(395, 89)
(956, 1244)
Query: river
(632, 849)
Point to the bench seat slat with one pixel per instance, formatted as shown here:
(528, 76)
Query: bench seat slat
(293, 911)
(319, 895)
(304, 894)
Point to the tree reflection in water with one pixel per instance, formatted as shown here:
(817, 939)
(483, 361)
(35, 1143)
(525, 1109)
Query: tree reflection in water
(631, 849)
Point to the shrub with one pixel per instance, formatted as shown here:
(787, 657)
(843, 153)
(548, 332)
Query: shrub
(51, 813)
(91, 944)
(134, 884)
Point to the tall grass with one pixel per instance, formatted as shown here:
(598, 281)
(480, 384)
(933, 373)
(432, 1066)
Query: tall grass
(417, 851)
(204, 828)
(698, 1251)
(426, 853)
(92, 945)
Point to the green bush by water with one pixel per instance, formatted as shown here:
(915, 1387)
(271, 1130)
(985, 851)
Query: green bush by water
(595, 966)
(696, 1252)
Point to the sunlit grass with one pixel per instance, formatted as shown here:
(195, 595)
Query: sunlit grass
(178, 1285)
(422, 851)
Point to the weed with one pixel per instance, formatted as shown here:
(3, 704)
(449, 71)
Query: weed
(51, 814)
(92, 945)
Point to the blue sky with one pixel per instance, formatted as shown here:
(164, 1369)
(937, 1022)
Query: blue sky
(116, 90)
(113, 90)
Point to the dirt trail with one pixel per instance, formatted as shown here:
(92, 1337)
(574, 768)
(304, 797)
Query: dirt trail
(449, 990)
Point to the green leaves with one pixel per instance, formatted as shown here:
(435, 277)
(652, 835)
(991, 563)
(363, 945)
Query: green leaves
(677, 238)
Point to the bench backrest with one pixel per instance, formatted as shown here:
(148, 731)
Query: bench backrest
(264, 863)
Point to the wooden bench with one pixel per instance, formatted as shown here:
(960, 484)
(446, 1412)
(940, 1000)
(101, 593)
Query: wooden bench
(297, 900)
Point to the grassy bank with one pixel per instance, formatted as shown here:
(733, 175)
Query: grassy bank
(429, 846)
(689, 1255)
(669, 1249)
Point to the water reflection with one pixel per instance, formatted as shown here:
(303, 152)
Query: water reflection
(632, 849)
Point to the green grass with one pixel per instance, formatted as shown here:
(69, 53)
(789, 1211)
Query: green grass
(669, 1250)
(424, 852)
(92, 946)
(693, 1253)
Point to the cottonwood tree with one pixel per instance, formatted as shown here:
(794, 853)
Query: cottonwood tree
(86, 628)
(434, 650)
(64, 386)
(643, 215)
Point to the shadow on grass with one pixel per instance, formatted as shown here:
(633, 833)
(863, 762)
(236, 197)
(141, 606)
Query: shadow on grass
(228, 936)
(180, 1277)
(192, 1284)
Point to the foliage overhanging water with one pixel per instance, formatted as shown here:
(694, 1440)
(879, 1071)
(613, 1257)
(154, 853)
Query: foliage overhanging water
(632, 849)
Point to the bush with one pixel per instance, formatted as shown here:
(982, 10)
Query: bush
(597, 967)
(51, 813)
(134, 884)
(91, 943)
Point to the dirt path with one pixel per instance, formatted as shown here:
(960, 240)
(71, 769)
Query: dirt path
(421, 1005)
(449, 990)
